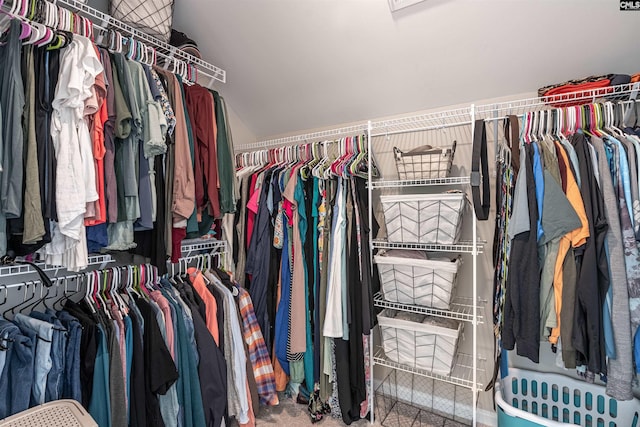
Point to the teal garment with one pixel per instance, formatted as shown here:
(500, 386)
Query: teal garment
(192, 222)
(316, 285)
(188, 384)
(225, 160)
(303, 225)
(100, 404)
(128, 339)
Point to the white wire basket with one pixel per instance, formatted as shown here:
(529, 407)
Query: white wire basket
(430, 343)
(59, 413)
(423, 218)
(528, 399)
(428, 283)
(425, 162)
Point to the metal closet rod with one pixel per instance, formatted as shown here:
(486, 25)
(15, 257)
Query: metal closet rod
(166, 50)
(453, 117)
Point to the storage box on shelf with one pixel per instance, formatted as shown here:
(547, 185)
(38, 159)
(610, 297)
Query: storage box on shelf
(417, 281)
(419, 341)
(424, 162)
(423, 218)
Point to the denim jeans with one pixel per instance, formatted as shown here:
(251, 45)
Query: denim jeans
(58, 349)
(42, 364)
(3, 349)
(17, 376)
(71, 388)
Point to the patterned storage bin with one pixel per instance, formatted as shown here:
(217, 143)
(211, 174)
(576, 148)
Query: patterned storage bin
(416, 281)
(423, 218)
(419, 341)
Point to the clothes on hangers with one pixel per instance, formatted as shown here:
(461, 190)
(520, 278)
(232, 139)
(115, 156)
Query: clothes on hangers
(302, 250)
(115, 150)
(573, 261)
(137, 351)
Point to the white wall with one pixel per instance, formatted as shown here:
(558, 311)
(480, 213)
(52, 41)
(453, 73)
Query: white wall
(239, 131)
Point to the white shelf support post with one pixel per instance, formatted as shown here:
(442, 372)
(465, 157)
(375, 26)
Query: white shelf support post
(372, 397)
(474, 257)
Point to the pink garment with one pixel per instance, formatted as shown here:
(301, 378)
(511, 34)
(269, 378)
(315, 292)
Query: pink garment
(251, 216)
(117, 316)
(162, 302)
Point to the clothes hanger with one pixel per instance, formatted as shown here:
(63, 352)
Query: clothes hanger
(24, 301)
(87, 280)
(114, 290)
(523, 129)
(16, 6)
(65, 293)
(56, 285)
(35, 302)
(102, 293)
(38, 33)
(26, 31)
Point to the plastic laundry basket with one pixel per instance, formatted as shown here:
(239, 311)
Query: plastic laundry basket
(527, 398)
(59, 413)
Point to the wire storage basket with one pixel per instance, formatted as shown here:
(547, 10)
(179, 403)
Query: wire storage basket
(425, 162)
(58, 413)
(427, 282)
(420, 341)
(423, 218)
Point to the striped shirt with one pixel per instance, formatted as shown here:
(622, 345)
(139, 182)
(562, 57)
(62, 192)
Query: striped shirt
(258, 353)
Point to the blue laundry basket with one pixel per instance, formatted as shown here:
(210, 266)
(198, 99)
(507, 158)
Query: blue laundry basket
(527, 399)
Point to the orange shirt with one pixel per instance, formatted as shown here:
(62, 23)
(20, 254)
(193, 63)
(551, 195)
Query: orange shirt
(575, 238)
(210, 302)
(97, 213)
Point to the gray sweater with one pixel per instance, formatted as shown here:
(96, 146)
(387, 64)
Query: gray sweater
(620, 370)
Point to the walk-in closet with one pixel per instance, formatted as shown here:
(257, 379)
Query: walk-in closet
(396, 213)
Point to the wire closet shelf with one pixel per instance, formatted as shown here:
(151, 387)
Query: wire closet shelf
(461, 373)
(99, 261)
(461, 308)
(304, 138)
(452, 117)
(165, 50)
(499, 110)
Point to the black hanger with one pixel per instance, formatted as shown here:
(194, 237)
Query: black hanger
(26, 301)
(66, 293)
(34, 304)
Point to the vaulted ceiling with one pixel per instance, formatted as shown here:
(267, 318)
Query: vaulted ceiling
(300, 64)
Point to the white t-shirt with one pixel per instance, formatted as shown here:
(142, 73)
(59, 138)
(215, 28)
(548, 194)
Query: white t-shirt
(75, 171)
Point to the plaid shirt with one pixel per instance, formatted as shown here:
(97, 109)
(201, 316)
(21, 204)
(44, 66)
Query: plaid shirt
(258, 354)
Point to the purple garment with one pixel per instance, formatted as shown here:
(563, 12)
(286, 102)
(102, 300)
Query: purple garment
(111, 191)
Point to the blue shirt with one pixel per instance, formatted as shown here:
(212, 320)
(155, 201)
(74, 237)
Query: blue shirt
(539, 181)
